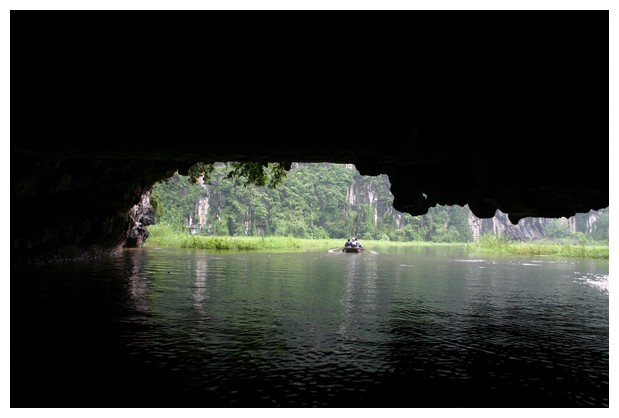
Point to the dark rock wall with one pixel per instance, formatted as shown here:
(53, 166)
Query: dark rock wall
(500, 110)
(73, 207)
(140, 215)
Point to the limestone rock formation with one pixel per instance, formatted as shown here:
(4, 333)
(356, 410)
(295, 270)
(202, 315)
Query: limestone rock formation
(525, 230)
(505, 110)
(141, 215)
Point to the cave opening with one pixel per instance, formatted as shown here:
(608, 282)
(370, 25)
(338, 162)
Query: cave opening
(494, 110)
(470, 111)
(324, 201)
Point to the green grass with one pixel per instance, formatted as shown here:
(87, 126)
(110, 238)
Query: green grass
(165, 236)
(499, 245)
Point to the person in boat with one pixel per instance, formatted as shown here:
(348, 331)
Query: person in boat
(357, 243)
(348, 243)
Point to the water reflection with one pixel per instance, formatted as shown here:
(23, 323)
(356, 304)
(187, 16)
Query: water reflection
(348, 300)
(138, 283)
(200, 293)
(424, 328)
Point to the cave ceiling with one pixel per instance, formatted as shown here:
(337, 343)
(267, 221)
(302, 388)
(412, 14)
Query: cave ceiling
(497, 110)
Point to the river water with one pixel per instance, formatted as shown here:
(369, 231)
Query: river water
(418, 327)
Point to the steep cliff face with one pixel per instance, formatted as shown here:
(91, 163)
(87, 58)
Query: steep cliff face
(372, 193)
(526, 229)
(367, 200)
(530, 228)
(196, 221)
(365, 205)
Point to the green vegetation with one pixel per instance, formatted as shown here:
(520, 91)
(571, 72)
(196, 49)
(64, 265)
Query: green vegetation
(165, 236)
(253, 173)
(317, 201)
(491, 243)
(253, 206)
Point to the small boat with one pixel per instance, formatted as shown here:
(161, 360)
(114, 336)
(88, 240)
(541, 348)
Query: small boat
(352, 249)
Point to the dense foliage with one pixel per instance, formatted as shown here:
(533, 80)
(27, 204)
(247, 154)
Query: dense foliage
(312, 201)
(253, 173)
(317, 201)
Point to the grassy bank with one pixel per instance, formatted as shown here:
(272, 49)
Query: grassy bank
(165, 236)
(498, 245)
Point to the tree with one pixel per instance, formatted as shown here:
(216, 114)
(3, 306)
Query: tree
(253, 173)
(313, 200)
(555, 229)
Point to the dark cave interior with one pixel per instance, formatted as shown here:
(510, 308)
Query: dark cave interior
(497, 110)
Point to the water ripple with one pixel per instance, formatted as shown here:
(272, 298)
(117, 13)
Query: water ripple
(183, 328)
(595, 280)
